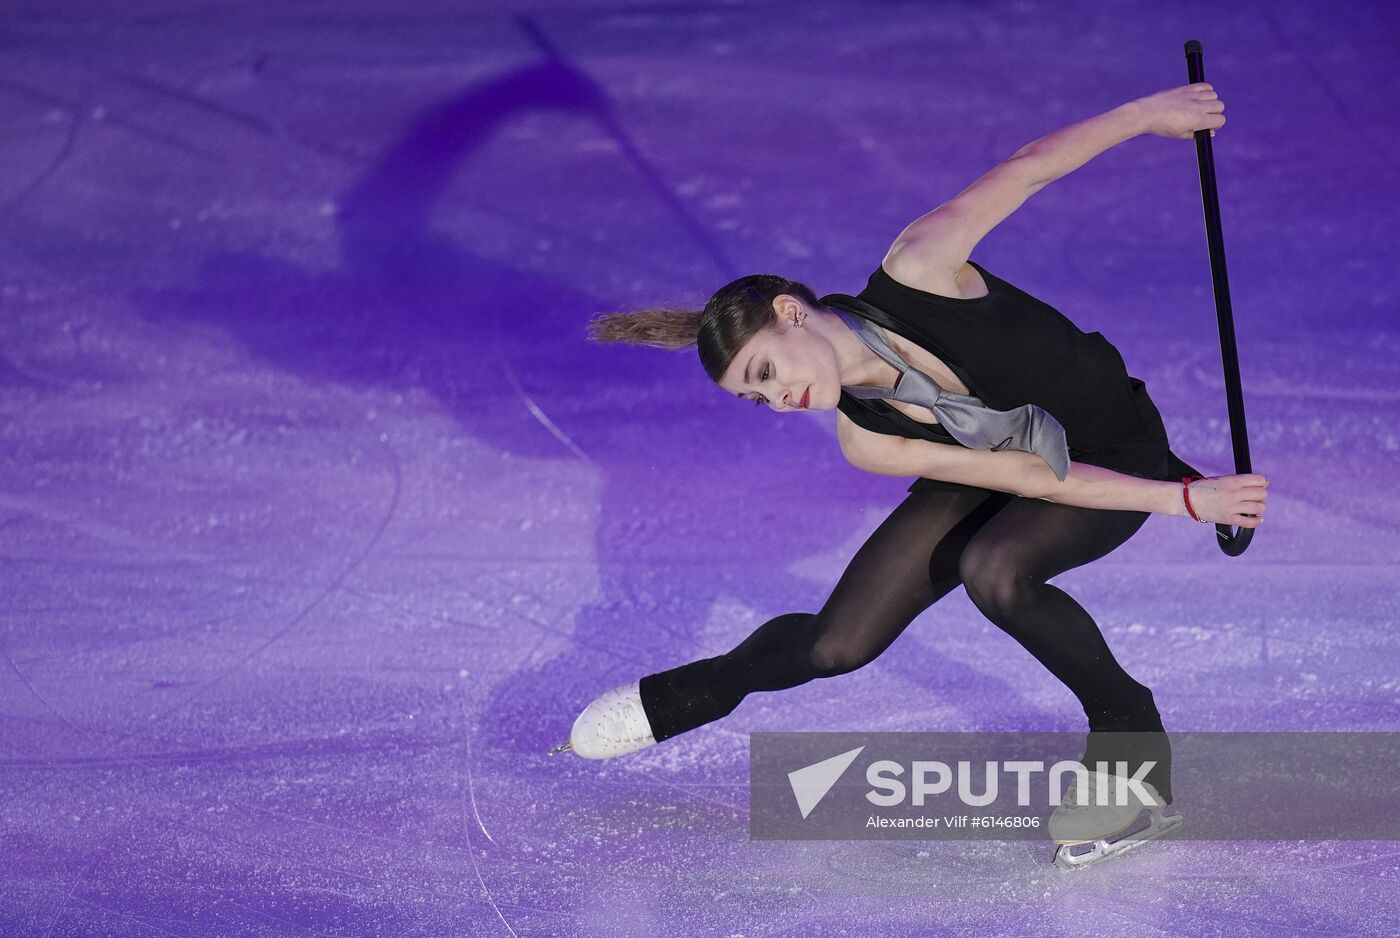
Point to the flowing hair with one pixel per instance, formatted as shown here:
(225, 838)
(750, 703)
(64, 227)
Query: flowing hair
(736, 311)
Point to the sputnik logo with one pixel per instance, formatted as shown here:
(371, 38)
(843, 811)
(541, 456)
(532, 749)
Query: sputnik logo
(811, 783)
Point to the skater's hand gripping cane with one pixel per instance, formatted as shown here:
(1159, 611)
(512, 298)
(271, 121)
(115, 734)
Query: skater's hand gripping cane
(1235, 499)
(1179, 112)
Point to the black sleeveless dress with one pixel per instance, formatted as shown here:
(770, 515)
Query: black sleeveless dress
(1009, 348)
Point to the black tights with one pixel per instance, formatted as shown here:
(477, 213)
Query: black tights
(1002, 548)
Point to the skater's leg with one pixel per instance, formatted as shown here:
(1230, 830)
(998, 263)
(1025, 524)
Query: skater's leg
(906, 564)
(1005, 567)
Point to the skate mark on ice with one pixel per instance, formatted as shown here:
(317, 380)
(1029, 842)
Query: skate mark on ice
(24, 679)
(65, 150)
(257, 122)
(593, 100)
(254, 121)
(114, 120)
(99, 854)
(467, 763)
(535, 410)
(328, 590)
(467, 836)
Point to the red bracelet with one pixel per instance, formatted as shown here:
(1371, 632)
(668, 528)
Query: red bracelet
(1186, 496)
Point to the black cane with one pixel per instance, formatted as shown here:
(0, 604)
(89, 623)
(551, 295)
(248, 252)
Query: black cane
(1232, 543)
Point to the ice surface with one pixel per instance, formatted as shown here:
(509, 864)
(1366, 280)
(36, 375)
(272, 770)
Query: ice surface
(321, 520)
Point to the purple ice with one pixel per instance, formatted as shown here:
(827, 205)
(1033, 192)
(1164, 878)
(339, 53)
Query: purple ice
(321, 519)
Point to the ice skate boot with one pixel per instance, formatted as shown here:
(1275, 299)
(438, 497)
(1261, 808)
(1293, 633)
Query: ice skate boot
(612, 725)
(1110, 828)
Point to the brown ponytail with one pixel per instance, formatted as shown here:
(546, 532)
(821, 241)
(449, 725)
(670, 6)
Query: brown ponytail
(732, 316)
(660, 327)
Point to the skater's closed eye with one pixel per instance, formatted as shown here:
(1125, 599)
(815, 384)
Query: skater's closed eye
(759, 399)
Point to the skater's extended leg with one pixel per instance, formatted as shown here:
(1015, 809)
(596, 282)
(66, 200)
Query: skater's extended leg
(905, 565)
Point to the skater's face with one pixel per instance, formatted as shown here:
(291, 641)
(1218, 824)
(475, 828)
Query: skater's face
(789, 364)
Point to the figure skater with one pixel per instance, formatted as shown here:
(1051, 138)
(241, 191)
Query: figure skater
(1036, 451)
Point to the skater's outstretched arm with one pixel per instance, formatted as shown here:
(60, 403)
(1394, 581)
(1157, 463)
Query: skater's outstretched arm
(1231, 499)
(940, 241)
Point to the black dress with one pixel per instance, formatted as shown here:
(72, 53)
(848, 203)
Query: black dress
(1009, 348)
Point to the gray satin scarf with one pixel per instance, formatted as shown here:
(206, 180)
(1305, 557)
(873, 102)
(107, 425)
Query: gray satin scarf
(971, 422)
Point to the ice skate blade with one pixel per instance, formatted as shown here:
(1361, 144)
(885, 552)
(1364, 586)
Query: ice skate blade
(1109, 836)
(1105, 849)
(567, 746)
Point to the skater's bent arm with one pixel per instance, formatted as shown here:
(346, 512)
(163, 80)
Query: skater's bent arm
(1016, 472)
(942, 239)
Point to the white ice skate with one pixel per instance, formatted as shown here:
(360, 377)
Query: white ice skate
(1108, 828)
(613, 725)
